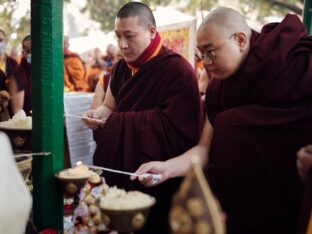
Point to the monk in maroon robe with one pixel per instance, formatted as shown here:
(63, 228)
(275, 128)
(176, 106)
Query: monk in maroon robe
(7, 64)
(152, 109)
(259, 108)
(20, 84)
(263, 117)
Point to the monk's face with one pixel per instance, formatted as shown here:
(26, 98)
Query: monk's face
(222, 53)
(132, 38)
(26, 48)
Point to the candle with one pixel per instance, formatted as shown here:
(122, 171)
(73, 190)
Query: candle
(80, 171)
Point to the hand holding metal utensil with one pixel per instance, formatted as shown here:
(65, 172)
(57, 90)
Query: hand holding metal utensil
(84, 117)
(155, 177)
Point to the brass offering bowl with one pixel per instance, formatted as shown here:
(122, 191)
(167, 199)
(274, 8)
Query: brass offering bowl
(72, 186)
(20, 138)
(127, 220)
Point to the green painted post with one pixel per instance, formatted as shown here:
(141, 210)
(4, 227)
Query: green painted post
(47, 107)
(307, 15)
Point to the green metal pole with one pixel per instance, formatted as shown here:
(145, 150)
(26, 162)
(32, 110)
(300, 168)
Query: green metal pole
(47, 107)
(307, 15)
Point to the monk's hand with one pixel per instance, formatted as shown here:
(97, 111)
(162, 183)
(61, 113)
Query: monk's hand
(160, 170)
(304, 161)
(96, 118)
(91, 119)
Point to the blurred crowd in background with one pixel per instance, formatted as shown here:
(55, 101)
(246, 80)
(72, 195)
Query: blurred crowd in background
(89, 72)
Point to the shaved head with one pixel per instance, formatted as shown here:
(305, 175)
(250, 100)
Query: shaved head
(227, 20)
(140, 10)
(224, 39)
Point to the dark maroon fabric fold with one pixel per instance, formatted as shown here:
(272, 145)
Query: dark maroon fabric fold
(22, 76)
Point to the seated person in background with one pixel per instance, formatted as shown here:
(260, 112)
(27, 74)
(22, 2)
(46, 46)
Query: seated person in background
(102, 86)
(7, 64)
(95, 68)
(20, 82)
(258, 107)
(98, 59)
(74, 70)
(4, 103)
(110, 57)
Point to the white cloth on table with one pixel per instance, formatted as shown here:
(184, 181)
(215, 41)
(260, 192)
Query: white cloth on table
(15, 198)
(80, 138)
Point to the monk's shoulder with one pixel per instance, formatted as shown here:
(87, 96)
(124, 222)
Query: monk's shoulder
(172, 60)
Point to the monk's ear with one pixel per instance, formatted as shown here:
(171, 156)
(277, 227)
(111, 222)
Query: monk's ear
(241, 40)
(152, 30)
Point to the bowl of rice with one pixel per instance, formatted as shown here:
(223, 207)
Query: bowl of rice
(125, 211)
(19, 130)
(73, 179)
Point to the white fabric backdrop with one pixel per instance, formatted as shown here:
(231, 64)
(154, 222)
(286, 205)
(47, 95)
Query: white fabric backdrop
(80, 139)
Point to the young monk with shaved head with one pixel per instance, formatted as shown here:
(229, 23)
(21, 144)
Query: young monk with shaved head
(258, 115)
(152, 109)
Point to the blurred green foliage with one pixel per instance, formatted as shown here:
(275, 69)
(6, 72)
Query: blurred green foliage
(14, 21)
(104, 11)
(17, 24)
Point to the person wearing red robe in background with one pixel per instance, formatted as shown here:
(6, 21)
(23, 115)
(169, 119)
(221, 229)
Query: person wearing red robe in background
(7, 67)
(152, 109)
(74, 70)
(20, 82)
(259, 113)
(7, 64)
(102, 85)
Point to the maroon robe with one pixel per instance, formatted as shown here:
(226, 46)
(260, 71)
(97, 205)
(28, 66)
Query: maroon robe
(23, 80)
(158, 116)
(10, 66)
(261, 117)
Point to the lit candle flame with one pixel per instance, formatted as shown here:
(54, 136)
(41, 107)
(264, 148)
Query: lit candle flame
(79, 163)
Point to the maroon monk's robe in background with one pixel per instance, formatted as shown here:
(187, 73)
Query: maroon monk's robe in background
(261, 117)
(158, 116)
(22, 76)
(10, 67)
